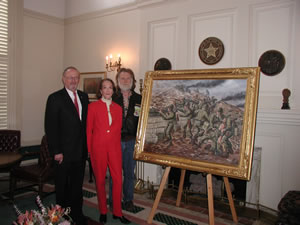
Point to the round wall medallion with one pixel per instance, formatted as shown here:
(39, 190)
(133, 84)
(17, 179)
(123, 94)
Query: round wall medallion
(163, 64)
(271, 62)
(211, 50)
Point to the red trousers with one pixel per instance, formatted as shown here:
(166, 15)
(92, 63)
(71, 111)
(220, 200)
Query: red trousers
(111, 158)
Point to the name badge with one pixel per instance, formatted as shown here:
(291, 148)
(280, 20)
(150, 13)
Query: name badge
(137, 110)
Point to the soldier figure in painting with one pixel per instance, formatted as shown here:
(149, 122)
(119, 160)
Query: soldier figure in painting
(169, 116)
(200, 121)
(187, 112)
(210, 140)
(225, 128)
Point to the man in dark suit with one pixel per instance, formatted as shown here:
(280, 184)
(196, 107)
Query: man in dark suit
(65, 127)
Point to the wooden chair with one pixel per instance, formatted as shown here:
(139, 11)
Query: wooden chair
(39, 173)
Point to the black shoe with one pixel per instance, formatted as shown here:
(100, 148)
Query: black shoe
(129, 206)
(102, 218)
(122, 219)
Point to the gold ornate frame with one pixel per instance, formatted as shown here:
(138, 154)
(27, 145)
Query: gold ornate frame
(89, 82)
(223, 144)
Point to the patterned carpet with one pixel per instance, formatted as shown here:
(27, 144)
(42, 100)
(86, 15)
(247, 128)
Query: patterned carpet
(166, 214)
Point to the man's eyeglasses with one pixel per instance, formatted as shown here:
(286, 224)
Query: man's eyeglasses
(72, 78)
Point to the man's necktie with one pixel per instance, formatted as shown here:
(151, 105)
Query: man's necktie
(76, 103)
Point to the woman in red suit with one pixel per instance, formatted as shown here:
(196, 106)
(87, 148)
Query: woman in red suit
(104, 122)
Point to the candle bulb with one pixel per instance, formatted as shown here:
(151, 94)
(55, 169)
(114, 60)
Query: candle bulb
(106, 60)
(119, 58)
(110, 59)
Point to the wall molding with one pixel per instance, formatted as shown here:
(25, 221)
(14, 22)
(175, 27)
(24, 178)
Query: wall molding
(44, 17)
(279, 117)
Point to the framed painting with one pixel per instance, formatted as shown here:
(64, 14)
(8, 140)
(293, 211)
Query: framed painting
(89, 83)
(199, 120)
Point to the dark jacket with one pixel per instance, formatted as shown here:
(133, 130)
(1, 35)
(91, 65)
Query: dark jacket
(66, 133)
(130, 122)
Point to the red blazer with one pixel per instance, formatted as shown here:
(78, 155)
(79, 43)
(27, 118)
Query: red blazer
(100, 136)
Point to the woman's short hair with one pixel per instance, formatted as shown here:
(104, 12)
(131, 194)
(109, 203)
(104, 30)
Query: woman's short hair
(99, 95)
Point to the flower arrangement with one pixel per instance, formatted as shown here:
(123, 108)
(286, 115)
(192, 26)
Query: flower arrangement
(54, 215)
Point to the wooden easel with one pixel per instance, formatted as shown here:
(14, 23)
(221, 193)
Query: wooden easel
(179, 194)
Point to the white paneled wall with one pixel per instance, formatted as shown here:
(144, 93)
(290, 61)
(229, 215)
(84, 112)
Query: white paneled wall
(163, 38)
(247, 29)
(273, 27)
(270, 168)
(220, 24)
(277, 133)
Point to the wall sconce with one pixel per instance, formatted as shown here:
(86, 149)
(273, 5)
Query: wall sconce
(110, 65)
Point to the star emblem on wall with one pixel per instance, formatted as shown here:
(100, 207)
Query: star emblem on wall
(211, 50)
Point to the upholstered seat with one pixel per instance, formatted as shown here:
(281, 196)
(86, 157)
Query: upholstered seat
(39, 173)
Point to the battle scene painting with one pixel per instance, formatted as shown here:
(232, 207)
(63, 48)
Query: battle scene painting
(199, 120)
